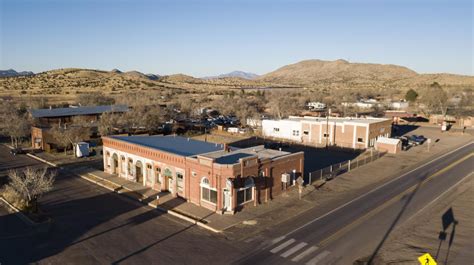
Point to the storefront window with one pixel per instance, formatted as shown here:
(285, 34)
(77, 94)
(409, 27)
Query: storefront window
(245, 194)
(179, 179)
(207, 193)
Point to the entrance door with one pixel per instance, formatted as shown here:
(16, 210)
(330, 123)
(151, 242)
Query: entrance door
(170, 184)
(139, 173)
(227, 200)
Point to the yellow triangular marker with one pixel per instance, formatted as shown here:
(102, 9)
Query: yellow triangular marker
(426, 259)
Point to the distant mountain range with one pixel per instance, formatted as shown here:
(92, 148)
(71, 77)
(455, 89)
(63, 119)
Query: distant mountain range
(12, 73)
(317, 74)
(238, 74)
(137, 74)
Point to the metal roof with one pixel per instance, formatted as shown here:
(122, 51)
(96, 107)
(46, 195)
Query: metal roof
(233, 157)
(172, 144)
(76, 111)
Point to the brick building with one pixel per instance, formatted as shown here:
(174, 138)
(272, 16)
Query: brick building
(357, 133)
(213, 176)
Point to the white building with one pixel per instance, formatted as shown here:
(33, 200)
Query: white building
(316, 106)
(399, 105)
(357, 133)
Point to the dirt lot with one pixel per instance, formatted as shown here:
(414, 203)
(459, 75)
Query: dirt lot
(420, 234)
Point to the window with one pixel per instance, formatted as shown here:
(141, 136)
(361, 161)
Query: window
(326, 135)
(157, 175)
(305, 132)
(296, 133)
(245, 194)
(360, 140)
(130, 166)
(179, 179)
(276, 129)
(208, 194)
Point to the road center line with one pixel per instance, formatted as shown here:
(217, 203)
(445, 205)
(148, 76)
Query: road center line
(389, 202)
(375, 189)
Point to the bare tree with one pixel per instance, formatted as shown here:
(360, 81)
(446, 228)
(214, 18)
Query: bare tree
(13, 123)
(31, 183)
(435, 99)
(70, 134)
(108, 122)
(281, 105)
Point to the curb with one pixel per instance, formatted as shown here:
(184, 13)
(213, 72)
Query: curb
(42, 160)
(17, 211)
(171, 212)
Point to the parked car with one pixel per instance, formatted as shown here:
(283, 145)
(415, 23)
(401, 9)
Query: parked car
(17, 151)
(418, 139)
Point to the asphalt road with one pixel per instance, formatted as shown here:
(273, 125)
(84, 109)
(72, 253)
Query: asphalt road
(358, 227)
(95, 226)
(8, 161)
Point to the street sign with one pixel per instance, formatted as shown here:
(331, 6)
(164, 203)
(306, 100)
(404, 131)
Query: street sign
(426, 259)
(300, 181)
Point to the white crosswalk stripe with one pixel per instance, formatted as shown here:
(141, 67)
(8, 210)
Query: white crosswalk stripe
(304, 253)
(293, 249)
(318, 258)
(282, 246)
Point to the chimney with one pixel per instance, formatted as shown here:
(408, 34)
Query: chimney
(226, 148)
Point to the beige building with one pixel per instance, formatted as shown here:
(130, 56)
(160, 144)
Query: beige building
(357, 133)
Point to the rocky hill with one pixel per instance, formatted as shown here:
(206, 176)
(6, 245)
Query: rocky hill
(314, 73)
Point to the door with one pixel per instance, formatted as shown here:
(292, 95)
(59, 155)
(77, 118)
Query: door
(139, 174)
(227, 200)
(170, 184)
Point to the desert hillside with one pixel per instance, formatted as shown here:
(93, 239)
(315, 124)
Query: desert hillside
(315, 73)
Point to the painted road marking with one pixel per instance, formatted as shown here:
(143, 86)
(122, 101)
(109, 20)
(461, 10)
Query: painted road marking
(276, 240)
(318, 258)
(282, 246)
(294, 249)
(384, 205)
(375, 189)
(304, 253)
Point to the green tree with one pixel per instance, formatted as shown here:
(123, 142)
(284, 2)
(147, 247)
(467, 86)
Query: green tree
(411, 95)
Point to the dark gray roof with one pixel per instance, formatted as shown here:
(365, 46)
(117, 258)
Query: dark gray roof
(88, 110)
(172, 144)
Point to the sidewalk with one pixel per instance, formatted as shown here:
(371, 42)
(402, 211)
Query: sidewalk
(183, 209)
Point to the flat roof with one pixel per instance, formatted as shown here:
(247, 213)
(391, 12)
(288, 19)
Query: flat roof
(172, 144)
(77, 111)
(233, 157)
(338, 120)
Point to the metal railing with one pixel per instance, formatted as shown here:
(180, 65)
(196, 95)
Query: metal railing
(337, 169)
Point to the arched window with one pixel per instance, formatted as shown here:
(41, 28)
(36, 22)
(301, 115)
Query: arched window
(208, 194)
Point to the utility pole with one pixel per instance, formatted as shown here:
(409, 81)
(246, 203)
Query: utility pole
(327, 127)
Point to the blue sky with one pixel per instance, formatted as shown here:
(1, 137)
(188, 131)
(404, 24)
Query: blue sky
(210, 37)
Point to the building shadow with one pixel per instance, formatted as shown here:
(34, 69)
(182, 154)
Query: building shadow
(315, 157)
(402, 129)
(143, 249)
(78, 215)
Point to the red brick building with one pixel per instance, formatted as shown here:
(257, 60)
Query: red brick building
(213, 176)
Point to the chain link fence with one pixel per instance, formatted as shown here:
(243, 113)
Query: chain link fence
(337, 169)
